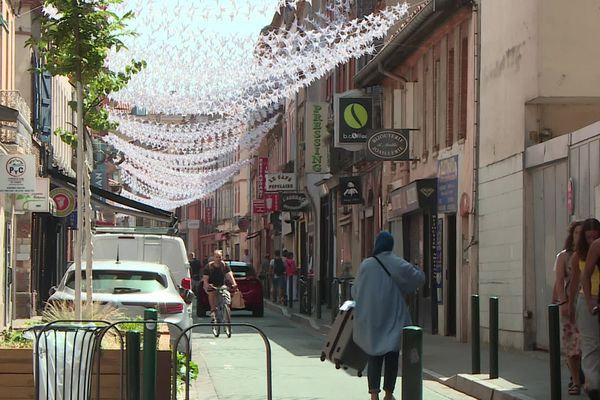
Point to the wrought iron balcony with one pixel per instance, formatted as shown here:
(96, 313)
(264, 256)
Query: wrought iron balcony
(16, 133)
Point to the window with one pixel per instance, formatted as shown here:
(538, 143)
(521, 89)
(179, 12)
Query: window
(450, 99)
(464, 76)
(122, 282)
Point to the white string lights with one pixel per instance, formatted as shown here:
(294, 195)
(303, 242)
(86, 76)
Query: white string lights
(232, 80)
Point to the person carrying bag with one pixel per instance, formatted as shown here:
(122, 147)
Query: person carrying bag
(381, 312)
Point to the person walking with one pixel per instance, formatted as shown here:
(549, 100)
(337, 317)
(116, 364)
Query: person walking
(587, 323)
(291, 272)
(571, 340)
(195, 272)
(278, 274)
(381, 312)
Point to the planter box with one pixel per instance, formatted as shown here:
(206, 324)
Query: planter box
(16, 375)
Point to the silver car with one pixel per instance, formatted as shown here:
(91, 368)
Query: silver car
(131, 287)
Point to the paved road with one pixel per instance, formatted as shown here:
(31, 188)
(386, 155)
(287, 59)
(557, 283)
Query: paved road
(234, 369)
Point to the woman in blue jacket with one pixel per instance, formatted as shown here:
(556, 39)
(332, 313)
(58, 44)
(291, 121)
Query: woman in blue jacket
(381, 312)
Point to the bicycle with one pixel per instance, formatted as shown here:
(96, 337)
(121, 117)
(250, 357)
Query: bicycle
(223, 311)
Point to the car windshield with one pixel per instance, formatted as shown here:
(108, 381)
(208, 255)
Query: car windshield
(241, 270)
(122, 282)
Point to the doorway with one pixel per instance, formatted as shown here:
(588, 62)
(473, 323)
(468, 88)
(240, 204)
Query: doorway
(451, 276)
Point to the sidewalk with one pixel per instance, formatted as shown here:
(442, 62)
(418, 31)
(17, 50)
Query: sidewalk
(524, 375)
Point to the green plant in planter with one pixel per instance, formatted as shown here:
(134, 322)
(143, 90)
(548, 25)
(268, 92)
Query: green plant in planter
(14, 339)
(61, 310)
(181, 371)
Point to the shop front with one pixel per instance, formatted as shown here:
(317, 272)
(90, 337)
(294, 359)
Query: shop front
(414, 207)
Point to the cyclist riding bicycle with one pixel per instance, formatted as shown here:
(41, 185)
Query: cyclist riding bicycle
(216, 274)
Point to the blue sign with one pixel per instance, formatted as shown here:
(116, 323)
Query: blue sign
(72, 220)
(448, 185)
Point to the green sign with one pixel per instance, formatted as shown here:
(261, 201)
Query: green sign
(355, 119)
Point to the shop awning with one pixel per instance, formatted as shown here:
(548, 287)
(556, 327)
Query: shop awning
(420, 194)
(129, 207)
(253, 235)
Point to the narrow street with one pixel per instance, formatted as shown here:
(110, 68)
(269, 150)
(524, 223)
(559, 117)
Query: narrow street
(236, 368)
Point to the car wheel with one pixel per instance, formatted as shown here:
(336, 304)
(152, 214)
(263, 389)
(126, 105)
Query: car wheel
(259, 311)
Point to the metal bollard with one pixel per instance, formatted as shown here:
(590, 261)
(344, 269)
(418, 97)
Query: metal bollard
(554, 336)
(149, 388)
(133, 365)
(475, 336)
(493, 337)
(412, 363)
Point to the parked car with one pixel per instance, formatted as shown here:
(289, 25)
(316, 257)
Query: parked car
(248, 284)
(131, 287)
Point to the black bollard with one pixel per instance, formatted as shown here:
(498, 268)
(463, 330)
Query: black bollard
(493, 337)
(475, 337)
(133, 365)
(412, 363)
(554, 336)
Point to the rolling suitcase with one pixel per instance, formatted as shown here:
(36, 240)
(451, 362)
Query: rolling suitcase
(340, 348)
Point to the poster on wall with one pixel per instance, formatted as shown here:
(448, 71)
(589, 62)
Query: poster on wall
(447, 185)
(438, 234)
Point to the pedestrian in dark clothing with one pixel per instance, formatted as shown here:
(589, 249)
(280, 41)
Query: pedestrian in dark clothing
(381, 312)
(195, 272)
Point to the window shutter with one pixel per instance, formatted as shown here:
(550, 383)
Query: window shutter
(46, 106)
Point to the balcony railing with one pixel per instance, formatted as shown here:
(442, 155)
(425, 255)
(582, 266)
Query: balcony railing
(18, 133)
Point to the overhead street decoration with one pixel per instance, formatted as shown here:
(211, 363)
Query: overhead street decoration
(350, 188)
(388, 145)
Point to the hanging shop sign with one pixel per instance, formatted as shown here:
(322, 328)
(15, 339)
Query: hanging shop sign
(64, 200)
(354, 119)
(447, 201)
(208, 220)
(350, 188)
(244, 224)
(388, 145)
(294, 202)
(18, 174)
(270, 204)
(37, 201)
(263, 166)
(281, 182)
(417, 194)
(317, 159)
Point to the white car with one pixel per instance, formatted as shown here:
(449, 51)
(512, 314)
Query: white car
(131, 287)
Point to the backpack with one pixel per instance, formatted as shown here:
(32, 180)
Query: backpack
(278, 267)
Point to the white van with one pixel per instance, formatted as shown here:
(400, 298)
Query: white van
(140, 246)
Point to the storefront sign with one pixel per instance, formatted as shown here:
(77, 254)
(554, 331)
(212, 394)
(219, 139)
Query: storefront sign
(193, 224)
(317, 160)
(37, 201)
(64, 200)
(244, 224)
(208, 217)
(415, 195)
(438, 235)
(350, 188)
(447, 185)
(269, 204)
(18, 173)
(388, 145)
(294, 201)
(263, 166)
(281, 182)
(354, 119)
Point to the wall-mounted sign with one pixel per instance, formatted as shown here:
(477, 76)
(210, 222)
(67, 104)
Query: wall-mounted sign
(417, 194)
(281, 182)
(64, 200)
(269, 204)
(193, 224)
(388, 145)
(447, 185)
(36, 201)
(18, 173)
(350, 190)
(263, 166)
(354, 119)
(317, 154)
(208, 220)
(294, 201)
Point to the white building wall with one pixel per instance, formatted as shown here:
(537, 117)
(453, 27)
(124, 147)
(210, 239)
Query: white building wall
(501, 247)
